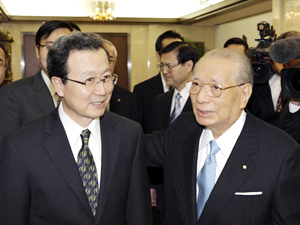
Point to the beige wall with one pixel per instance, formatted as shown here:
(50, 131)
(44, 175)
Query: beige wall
(141, 43)
(247, 27)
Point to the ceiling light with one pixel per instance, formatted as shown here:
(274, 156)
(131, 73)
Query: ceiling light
(103, 10)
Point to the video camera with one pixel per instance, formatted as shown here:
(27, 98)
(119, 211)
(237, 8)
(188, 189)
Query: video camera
(260, 55)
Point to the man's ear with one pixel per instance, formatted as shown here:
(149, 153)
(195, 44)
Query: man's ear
(157, 57)
(189, 64)
(58, 85)
(37, 54)
(246, 94)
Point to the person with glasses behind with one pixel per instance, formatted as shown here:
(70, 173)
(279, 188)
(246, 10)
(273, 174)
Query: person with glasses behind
(221, 164)
(122, 102)
(3, 63)
(177, 61)
(80, 164)
(28, 99)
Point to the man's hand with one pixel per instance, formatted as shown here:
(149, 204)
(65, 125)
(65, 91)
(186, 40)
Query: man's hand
(153, 197)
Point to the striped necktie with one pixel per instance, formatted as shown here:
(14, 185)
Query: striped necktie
(206, 177)
(177, 108)
(88, 171)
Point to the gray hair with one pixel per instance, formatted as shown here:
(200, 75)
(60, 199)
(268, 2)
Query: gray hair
(242, 69)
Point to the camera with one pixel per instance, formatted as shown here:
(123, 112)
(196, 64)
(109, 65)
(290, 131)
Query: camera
(290, 82)
(260, 55)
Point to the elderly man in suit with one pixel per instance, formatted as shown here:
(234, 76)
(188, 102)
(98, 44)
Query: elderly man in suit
(221, 164)
(123, 102)
(28, 99)
(80, 164)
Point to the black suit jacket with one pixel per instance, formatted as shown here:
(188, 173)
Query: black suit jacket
(264, 159)
(261, 104)
(146, 93)
(290, 122)
(24, 101)
(41, 184)
(162, 109)
(124, 103)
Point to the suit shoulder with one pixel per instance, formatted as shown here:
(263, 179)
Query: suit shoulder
(17, 85)
(123, 91)
(149, 82)
(121, 121)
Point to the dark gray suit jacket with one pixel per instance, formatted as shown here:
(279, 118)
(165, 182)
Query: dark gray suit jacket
(162, 109)
(22, 102)
(124, 103)
(146, 92)
(272, 167)
(41, 184)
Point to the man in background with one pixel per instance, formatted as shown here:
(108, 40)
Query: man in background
(237, 44)
(287, 52)
(123, 102)
(3, 63)
(147, 91)
(28, 99)
(177, 63)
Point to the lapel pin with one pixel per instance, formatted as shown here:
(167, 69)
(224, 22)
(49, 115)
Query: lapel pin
(119, 99)
(244, 167)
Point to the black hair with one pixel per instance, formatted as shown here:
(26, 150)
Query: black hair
(185, 51)
(59, 53)
(47, 28)
(74, 26)
(235, 41)
(168, 34)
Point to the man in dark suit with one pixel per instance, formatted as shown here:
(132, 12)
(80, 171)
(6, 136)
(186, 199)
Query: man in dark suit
(80, 164)
(221, 164)
(147, 91)
(177, 63)
(286, 52)
(122, 102)
(28, 99)
(3, 63)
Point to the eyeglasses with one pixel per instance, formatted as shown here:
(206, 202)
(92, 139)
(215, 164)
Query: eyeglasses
(91, 83)
(212, 90)
(169, 68)
(45, 46)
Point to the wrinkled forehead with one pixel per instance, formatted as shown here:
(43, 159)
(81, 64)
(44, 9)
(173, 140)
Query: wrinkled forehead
(213, 70)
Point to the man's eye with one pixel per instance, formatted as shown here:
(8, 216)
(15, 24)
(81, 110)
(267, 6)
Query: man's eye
(215, 87)
(90, 79)
(107, 76)
(195, 84)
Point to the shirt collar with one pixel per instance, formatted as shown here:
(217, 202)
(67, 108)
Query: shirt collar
(184, 93)
(227, 140)
(73, 130)
(48, 83)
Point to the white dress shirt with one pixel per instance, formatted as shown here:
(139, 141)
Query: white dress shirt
(226, 143)
(73, 131)
(275, 87)
(50, 87)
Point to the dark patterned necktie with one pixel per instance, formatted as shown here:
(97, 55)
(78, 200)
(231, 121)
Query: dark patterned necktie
(88, 171)
(280, 102)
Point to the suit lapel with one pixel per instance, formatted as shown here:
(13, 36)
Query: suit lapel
(110, 149)
(190, 159)
(234, 172)
(60, 152)
(42, 96)
(188, 106)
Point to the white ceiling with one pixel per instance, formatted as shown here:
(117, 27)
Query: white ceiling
(124, 8)
(136, 11)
